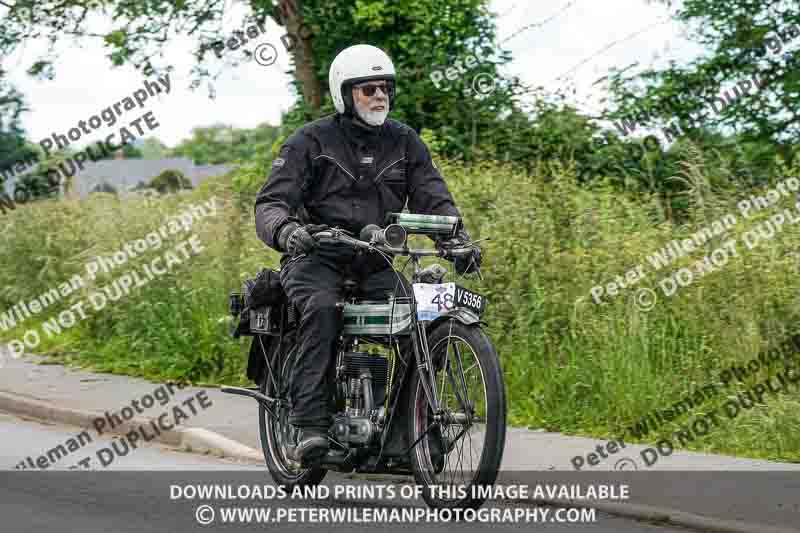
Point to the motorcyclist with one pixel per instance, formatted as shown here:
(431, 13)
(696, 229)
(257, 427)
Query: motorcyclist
(344, 170)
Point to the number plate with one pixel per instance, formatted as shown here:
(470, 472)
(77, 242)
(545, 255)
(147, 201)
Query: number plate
(435, 299)
(470, 300)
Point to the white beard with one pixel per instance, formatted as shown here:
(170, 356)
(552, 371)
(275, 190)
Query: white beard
(373, 118)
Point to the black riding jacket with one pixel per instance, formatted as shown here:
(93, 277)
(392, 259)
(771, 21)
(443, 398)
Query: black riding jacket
(338, 172)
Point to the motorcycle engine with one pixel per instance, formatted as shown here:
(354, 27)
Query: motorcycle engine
(365, 377)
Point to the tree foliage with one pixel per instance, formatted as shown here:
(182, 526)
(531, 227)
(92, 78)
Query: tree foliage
(13, 146)
(219, 143)
(153, 148)
(747, 44)
(170, 181)
(104, 187)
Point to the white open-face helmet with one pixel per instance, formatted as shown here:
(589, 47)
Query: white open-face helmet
(356, 64)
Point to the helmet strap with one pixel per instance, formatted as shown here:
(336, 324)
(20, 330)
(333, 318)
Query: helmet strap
(350, 110)
(347, 96)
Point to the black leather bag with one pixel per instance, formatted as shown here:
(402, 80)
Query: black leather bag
(264, 289)
(259, 305)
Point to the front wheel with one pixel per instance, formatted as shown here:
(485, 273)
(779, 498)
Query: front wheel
(465, 447)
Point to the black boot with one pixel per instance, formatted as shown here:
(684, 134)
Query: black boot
(312, 446)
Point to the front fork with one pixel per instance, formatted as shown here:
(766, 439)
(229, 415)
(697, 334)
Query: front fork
(422, 355)
(419, 339)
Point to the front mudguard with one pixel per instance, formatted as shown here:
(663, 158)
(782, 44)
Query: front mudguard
(465, 316)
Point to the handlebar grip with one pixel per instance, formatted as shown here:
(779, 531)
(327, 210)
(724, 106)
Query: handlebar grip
(323, 234)
(456, 252)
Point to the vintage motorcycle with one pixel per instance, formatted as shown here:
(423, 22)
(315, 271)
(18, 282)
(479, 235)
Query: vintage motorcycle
(439, 413)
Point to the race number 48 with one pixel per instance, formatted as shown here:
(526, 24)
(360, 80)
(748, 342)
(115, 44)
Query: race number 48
(444, 302)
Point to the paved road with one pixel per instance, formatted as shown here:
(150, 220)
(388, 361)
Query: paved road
(134, 492)
(22, 439)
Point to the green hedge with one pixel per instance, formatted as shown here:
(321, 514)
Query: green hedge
(570, 364)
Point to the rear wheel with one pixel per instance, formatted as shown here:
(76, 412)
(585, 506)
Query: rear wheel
(465, 447)
(276, 433)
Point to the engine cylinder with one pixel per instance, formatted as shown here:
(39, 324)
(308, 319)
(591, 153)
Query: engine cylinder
(357, 362)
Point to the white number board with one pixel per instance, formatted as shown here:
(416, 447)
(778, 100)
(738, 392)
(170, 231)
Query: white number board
(434, 299)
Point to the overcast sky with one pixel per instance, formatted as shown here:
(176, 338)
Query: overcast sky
(573, 42)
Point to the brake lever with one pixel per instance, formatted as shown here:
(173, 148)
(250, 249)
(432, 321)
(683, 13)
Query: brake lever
(478, 270)
(473, 243)
(465, 244)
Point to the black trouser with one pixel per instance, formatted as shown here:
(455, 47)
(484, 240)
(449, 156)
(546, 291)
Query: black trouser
(313, 283)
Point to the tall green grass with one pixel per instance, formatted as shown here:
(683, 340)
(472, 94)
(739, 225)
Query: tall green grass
(570, 364)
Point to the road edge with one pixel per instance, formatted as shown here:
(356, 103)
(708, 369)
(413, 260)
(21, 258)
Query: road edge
(190, 439)
(666, 516)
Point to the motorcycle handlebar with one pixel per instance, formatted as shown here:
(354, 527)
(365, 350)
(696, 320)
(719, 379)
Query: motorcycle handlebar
(340, 236)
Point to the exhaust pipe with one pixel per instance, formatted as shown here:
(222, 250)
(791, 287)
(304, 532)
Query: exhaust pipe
(366, 388)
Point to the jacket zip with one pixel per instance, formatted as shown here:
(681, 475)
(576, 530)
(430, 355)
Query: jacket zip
(378, 179)
(337, 162)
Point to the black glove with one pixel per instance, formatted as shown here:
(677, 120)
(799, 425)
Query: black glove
(297, 239)
(468, 263)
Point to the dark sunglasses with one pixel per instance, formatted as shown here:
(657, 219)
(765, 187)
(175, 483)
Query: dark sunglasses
(369, 90)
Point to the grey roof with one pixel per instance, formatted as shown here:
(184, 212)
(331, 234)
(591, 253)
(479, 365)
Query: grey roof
(123, 174)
